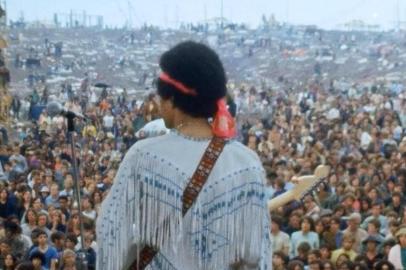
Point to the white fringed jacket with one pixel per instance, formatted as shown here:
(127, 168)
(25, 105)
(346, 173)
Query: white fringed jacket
(229, 219)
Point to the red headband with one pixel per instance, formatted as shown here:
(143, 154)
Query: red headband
(223, 124)
(177, 84)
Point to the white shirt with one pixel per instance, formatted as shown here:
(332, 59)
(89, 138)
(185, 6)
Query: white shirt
(366, 140)
(280, 242)
(333, 113)
(395, 257)
(108, 121)
(66, 193)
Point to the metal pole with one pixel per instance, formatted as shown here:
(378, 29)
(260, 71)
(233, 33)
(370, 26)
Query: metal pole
(82, 253)
(397, 15)
(222, 14)
(6, 15)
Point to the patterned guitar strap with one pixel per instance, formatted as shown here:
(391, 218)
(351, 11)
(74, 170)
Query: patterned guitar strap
(190, 194)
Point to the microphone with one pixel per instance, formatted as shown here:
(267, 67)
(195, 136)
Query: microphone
(55, 108)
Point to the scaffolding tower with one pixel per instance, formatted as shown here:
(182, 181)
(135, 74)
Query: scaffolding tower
(77, 19)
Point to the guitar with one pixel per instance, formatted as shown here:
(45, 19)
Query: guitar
(306, 184)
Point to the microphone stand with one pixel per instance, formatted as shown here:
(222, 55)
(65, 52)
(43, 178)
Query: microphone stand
(71, 135)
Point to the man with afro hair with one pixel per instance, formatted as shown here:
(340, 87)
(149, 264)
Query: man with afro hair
(143, 217)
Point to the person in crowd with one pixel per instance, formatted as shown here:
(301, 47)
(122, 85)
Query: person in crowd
(88, 208)
(371, 252)
(69, 261)
(10, 262)
(53, 198)
(397, 254)
(346, 248)
(30, 222)
(296, 265)
(43, 224)
(8, 204)
(68, 186)
(38, 260)
(279, 260)
(316, 265)
(280, 240)
(328, 265)
(343, 263)
(303, 251)
(71, 241)
(306, 234)
(50, 253)
(73, 226)
(27, 266)
(58, 242)
(25, 201)
(314, 255)
(376, 214)
(333, 237)
(38, 207)
(57, 221)
(353, 228)
(384, 265)
(387, 246)
(19, 243)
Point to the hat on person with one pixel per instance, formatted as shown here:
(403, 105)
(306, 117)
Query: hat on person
(401, 231)
(44, 189)
(372, 238)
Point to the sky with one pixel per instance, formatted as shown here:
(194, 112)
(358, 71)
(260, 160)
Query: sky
(324, 13)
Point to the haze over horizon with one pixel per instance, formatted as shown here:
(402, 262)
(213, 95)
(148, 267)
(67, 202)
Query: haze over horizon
(325, 14)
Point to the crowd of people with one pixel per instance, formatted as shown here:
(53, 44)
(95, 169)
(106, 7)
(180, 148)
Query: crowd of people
(355, 219)
(40, 217)
(357, 216)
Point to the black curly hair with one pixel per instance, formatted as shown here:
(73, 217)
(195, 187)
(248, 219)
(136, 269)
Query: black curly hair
(198, 67)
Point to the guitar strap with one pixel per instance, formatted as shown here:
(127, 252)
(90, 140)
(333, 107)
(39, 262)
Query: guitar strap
(190, 194)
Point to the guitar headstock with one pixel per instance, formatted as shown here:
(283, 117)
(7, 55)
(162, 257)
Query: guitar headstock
(308, 183)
